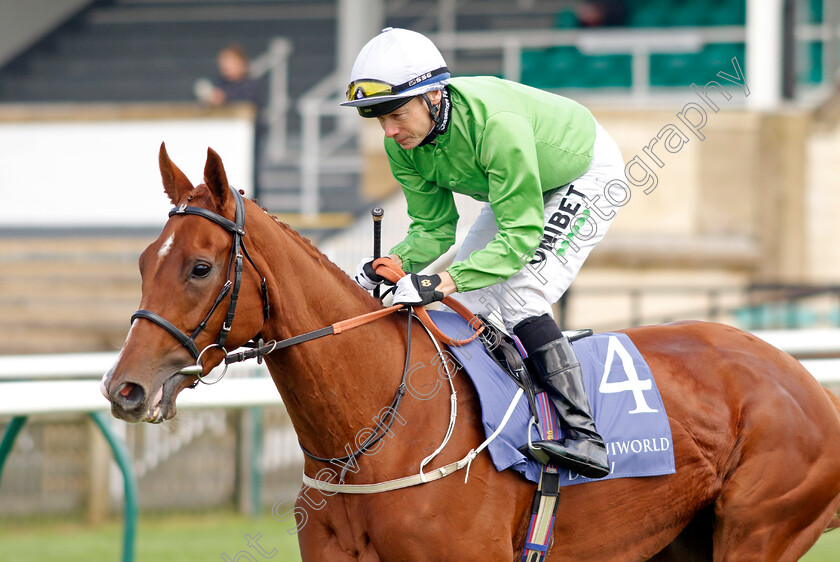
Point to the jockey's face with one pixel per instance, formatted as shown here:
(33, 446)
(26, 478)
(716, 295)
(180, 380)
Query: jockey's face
(409, 124)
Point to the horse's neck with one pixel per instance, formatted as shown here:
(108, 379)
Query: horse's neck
(331, 386)
(309, 291)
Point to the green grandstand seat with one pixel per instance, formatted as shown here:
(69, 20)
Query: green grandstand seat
(775, 316)
(650, 15)
(567, 68)
(566, 19)
(716, 57)
(673, 69)
(552, 68)
(607, 71)
(689, 14)
(728, 12)
(533, 67)
(809, 64)
(668, 13)
(816, 11)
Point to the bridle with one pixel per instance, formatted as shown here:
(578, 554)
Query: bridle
(235, 264)
(259, 349)
(231, 286)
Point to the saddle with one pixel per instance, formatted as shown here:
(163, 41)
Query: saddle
(625, 402)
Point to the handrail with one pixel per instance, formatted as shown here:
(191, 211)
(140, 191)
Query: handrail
(29, 387)
(312, 106)
(275, 63)
(122, 458)
(322, 100)
(752, 301)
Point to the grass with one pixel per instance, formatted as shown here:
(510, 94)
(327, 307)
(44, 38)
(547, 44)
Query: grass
(166, 538)
(827, 549)
(193, 538)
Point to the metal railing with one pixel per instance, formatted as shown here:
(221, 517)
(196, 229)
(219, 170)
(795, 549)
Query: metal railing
(759, 306)
(639, 43)
(38, 385)
(319, 102)
(506, 47)
(275, 63)
(323, 99)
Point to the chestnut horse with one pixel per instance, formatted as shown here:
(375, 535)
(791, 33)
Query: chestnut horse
(756, 438)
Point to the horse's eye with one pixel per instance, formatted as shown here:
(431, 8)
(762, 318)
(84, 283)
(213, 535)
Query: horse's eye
(201, 270)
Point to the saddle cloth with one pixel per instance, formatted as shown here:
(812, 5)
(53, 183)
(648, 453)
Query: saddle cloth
(625, 403)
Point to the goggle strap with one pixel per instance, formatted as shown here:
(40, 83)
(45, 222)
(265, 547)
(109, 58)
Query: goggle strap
(419, 80)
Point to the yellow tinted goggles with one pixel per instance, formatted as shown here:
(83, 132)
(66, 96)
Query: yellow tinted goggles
(366, 88)
(361, 89)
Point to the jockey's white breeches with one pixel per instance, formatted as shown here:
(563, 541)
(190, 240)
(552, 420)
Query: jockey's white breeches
(577, 216)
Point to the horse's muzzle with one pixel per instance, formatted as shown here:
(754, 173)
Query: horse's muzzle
(132, 402)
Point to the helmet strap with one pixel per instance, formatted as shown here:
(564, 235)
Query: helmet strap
(440, 118)
(434, 110)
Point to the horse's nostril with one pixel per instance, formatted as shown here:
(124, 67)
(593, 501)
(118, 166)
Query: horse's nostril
(132, 394)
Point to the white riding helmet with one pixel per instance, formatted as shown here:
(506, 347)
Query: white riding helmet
(392, 68)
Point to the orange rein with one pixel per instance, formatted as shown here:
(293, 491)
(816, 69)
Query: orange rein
(392, 272)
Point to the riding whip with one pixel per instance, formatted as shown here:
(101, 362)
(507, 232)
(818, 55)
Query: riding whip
(377, 213)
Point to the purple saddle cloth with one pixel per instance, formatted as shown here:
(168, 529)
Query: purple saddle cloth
(625, 403)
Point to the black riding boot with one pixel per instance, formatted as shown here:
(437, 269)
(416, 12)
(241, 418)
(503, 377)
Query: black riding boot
(583, 449)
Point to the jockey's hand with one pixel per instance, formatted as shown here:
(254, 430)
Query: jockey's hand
(418, 290)
(366, 276)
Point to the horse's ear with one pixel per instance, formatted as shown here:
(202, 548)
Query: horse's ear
(215, 177)
(175, 182)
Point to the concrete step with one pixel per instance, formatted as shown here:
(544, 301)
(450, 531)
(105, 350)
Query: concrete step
(67, 294)
(94, 288)
(78, 313)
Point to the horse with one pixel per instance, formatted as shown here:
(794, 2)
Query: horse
(756, 439)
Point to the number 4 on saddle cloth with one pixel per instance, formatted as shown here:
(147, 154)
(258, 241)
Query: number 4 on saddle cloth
(625, 403)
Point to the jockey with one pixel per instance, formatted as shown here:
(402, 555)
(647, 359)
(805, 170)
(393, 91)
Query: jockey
(541, 164)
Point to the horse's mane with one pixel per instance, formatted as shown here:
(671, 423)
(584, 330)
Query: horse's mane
(307, 246)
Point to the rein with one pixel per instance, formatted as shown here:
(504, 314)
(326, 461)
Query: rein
(384, 267)
(388, 269)
(382, 428)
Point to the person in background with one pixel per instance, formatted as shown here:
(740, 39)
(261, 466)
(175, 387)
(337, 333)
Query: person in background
(539, 161)
(235, 84)
(601, 13)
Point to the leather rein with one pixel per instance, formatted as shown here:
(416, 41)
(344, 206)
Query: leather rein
(384, 267)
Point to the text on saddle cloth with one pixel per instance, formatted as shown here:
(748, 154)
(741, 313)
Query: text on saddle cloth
(625, 403)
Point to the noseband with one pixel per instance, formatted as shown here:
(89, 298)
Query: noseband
(237, 250)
